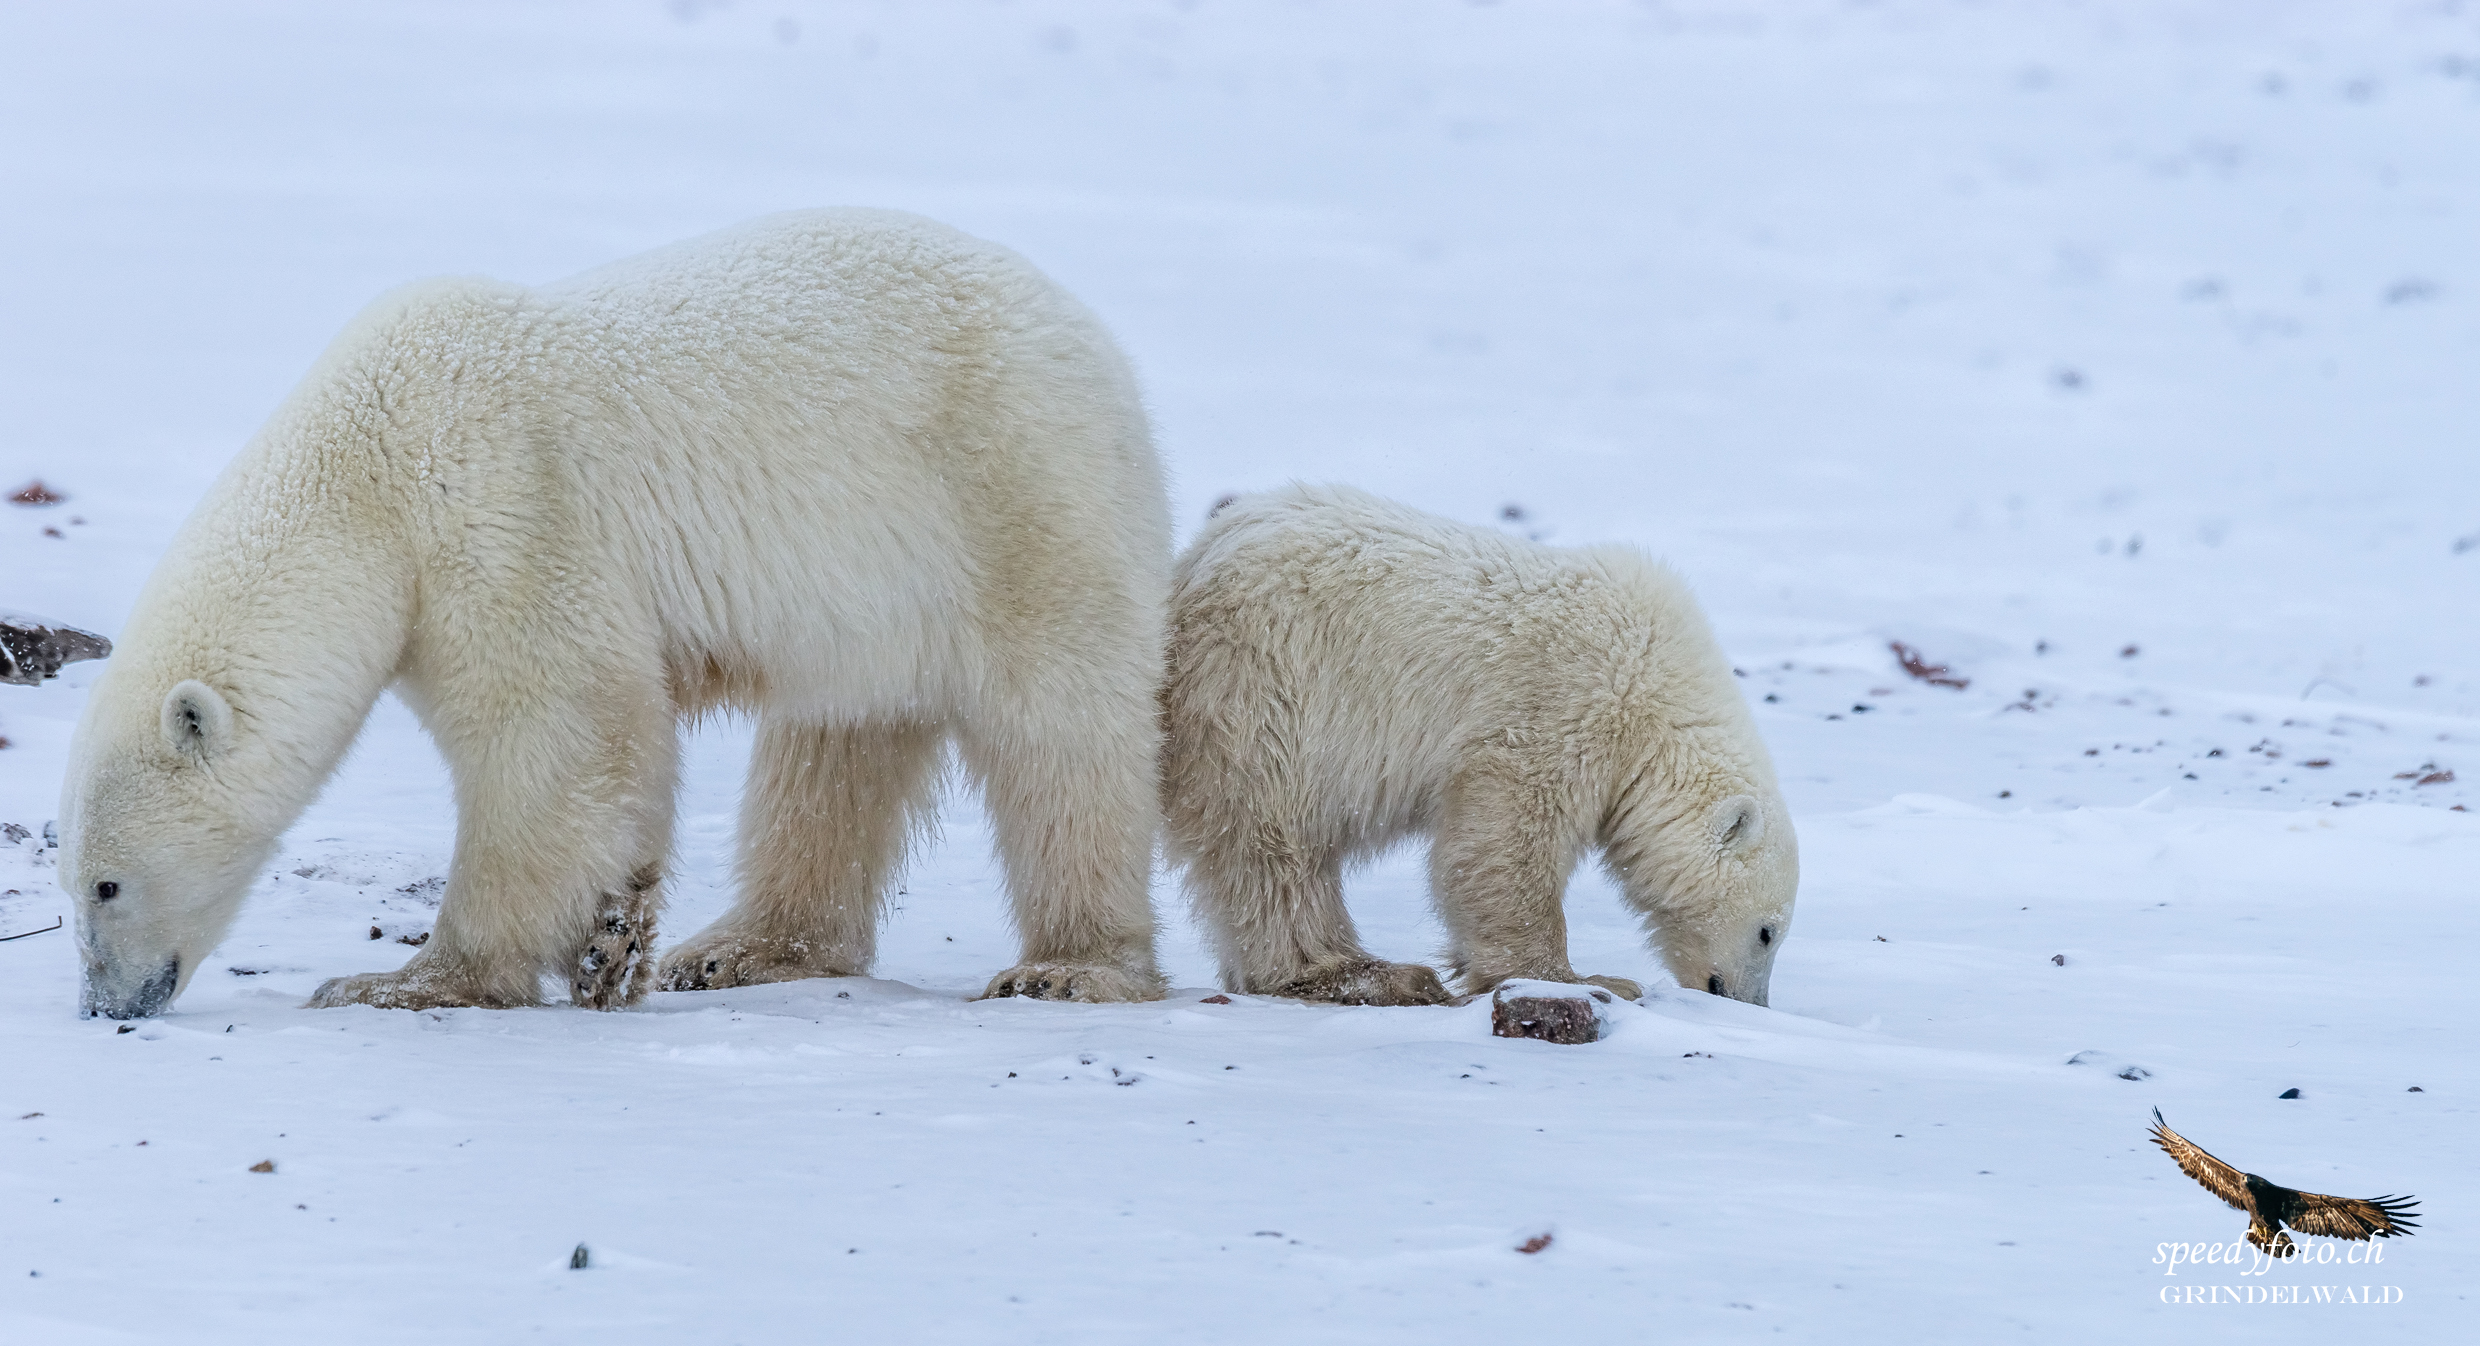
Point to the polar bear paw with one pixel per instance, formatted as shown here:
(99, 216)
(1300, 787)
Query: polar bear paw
(1618, 986)
(1369, 981)
(414, 986)
(1090, 982)
(716, 959)
(612, 970)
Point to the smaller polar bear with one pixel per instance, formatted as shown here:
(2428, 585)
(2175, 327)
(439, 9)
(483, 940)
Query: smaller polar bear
(1346, 672)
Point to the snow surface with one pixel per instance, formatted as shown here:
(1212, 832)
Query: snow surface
(2118, 355)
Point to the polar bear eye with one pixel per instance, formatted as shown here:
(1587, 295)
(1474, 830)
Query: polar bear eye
(106, 891)
(1765, 934)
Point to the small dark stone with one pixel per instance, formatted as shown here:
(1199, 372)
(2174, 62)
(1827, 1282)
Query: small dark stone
(2059, 958)
(32, 649)
(2415, 1089)
(578, 1260)
(2288, 1093)
(1545, 1018)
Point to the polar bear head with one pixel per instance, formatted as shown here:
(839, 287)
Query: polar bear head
(249, 662)
(196, 750)
(162, 829)
(1715, 883)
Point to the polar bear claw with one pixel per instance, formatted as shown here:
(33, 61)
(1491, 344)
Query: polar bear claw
(1088, 982)
(1369, 981)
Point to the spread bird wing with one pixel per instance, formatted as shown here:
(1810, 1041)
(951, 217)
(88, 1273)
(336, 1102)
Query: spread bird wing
(2218, 1178)
(2345, 1217)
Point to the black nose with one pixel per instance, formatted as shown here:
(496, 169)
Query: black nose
(148, 1001)
(1713, 985)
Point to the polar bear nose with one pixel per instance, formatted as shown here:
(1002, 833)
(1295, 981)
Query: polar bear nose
(144, 1003)
(1713, 984)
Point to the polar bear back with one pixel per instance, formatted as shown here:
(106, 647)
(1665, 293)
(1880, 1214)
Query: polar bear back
(847, 459)
(1360, 650)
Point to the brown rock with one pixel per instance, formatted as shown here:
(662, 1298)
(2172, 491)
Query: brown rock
(1561, 1019)
(1918, 665)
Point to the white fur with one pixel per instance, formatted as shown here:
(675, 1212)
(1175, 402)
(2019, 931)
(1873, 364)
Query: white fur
(877, 482)
(1347, 672)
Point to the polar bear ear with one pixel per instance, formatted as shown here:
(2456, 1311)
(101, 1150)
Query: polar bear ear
(1736, 824)
(197, 721)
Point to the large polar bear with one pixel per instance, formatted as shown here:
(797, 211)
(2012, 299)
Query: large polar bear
(877, 482)
(1347, 672)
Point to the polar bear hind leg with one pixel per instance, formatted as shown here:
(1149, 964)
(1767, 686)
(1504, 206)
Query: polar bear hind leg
(1368, 981)
(827, 817)
(1273, 908)
(1072, 802)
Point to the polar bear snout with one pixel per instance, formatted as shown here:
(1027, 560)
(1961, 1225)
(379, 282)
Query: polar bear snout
(1751, 991)
(112, 996)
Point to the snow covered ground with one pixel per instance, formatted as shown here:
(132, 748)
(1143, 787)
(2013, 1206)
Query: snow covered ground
(2118, 355)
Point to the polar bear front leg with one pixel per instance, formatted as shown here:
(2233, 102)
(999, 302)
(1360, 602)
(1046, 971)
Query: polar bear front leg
(1073, 804)
(432, 979)
(614, 968)
(826, 818)
(1498, 864)
(563, 816)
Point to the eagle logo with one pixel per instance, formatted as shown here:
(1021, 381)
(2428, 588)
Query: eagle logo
(2270, 1206)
